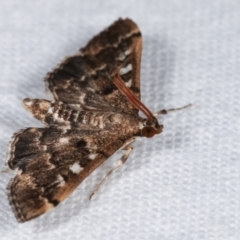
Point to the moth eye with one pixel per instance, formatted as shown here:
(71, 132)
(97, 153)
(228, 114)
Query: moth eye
(148, 132)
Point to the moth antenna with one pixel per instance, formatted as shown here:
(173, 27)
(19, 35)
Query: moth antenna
(164, 111)
(132, 98)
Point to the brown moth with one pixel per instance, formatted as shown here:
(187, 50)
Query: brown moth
(94, 113)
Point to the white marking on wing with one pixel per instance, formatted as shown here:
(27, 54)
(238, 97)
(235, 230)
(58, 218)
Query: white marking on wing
(81, 98)
(66, 128)
(92, 156)
(76, 168)
(92, 120)
(127, 52)
(63, 140)
(50, 110)
(61, 181)
(100, 122)
(126, 69)
(91, 89)
(84, 121)
(140, 125)
(76, 116)
(121, 57)
(129, 83)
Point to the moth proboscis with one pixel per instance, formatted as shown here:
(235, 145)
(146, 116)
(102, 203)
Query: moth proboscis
(94, 113)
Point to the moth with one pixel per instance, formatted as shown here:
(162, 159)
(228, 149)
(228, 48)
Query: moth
(94, 113)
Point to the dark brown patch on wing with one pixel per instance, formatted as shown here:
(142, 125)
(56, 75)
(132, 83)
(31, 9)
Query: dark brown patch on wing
(91, 71)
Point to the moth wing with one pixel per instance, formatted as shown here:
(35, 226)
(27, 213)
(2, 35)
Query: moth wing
(85, 80)
(51, 163)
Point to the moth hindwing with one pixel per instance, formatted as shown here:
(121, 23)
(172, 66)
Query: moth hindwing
(94, 113)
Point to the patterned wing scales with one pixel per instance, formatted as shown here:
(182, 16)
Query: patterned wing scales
(51, 163)
(85, 80)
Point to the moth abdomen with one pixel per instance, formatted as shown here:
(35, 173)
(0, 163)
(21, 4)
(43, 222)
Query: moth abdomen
(50, 112)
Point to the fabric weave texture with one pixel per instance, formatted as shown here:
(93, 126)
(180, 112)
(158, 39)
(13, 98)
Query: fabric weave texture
(182, 184)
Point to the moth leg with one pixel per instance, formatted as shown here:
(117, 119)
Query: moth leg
(5, 170)
(165, 111)
(120, 162)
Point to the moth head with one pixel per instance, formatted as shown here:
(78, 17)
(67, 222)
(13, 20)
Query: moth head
(152, 127)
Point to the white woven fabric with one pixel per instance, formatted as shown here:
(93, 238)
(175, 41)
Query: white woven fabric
(182, 184)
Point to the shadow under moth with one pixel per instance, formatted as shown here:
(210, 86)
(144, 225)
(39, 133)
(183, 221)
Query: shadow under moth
(94, 114)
